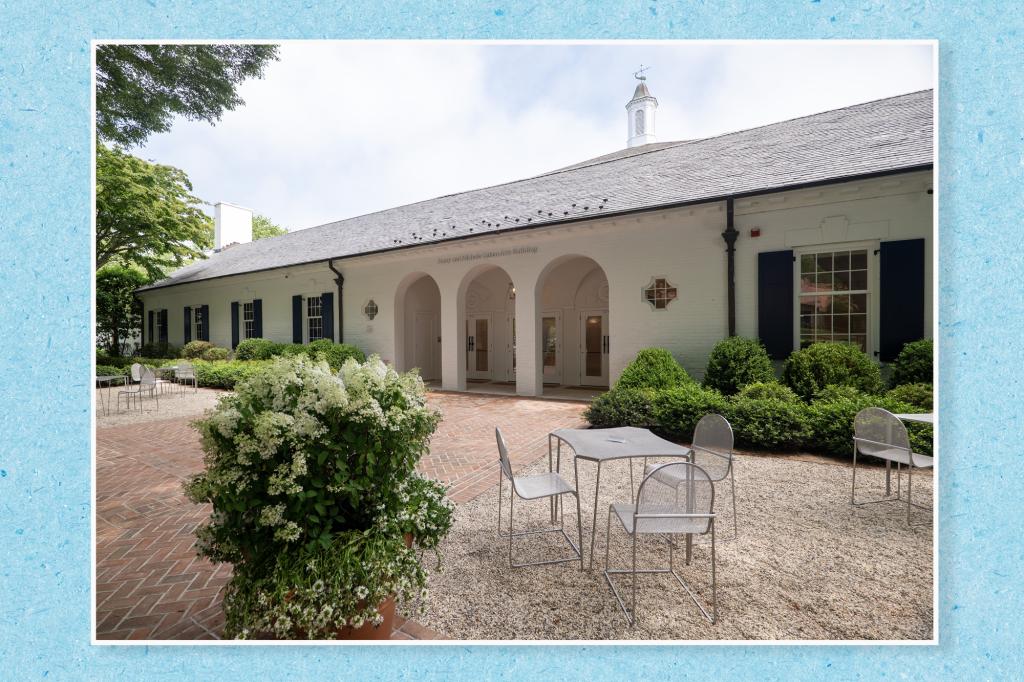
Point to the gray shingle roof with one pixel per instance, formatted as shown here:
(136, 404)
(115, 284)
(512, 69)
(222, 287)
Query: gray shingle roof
(876, 137)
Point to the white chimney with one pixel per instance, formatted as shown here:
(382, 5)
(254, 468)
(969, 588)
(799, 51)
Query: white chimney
(231, 225)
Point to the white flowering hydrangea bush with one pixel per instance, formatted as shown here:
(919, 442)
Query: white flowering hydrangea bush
(311, 476)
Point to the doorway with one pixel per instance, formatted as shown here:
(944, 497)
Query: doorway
(551, 347)
(594, 347)
(478, 347)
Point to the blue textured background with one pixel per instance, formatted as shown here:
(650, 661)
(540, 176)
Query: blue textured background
(45, 321)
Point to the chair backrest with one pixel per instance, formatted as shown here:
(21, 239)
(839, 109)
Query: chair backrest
(147, 377)
(712, 445)
(136, 371)
(506, 464)
(876, 430)
(663, 503)
(184, 369)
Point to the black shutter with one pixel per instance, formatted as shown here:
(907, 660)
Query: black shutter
(234, 324)
(163, 326)
(257, 317)
(205, 312)
(327, 311)
(901, 299)
(775, 302)
(151, 337)
(297, 319)
(188, 324)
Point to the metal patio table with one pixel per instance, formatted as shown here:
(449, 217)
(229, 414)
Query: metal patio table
(603, 445)
(109, 380)
(923, 417)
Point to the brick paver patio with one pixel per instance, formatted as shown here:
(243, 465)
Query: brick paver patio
(149, 582)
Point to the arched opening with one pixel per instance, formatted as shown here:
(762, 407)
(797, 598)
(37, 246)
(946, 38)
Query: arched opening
(572, 295)
(487, 314)
(418, 326)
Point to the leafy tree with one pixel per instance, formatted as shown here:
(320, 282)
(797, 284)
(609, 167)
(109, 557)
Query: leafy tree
(262, 227)
(118, 312)
(146, 214)
(141, 88)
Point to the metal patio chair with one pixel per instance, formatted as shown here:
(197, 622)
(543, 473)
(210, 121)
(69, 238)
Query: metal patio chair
(147, 384)
(536, 487)
(880, 433)
(136, 372)
(712, 452)
(665, 507)
(186, 374)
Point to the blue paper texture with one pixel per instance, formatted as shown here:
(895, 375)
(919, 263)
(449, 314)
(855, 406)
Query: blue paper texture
(45, 236)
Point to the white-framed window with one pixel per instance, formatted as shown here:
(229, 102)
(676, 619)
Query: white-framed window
(314, 318)
(197, 323)
(834, 296)
(248, 321)
(640, 122)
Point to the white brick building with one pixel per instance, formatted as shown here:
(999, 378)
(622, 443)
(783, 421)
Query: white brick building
(560, 279)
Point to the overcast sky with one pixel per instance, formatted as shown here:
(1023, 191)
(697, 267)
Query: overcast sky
(339, 129)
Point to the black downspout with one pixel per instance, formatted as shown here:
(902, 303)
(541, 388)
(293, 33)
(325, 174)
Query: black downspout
(340, 280)
(729, 236)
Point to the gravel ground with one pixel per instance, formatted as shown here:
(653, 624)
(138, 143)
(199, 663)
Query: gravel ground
(806, 565)
(172, 404)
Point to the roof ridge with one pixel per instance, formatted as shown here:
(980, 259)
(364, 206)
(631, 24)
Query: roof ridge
(585, 164)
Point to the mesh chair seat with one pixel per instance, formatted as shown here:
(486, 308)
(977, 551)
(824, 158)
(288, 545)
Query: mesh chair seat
(675, 525)
(896, 454)
(541, 485)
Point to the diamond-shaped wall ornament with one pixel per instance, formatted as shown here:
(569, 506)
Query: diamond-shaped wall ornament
(659, 293)
(370, 309)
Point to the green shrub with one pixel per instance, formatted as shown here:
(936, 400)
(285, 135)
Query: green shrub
(216, 353)
(735, 362)
(225, 374)
(291, 349)
(622, 407)
(830, 417)
(809, 370)
(159, 350)
(653, 368)
(113, 360)
(914, 363)
(677, 410)
(256, 349)
(769, 422)
(334, 353)
(110, 370)
(764, 390)
(920, 396)
(195, 349)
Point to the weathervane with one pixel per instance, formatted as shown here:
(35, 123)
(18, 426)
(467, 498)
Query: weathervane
(639, 75)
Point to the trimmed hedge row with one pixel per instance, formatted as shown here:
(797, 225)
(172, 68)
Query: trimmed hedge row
(825, 385)
(322, 349)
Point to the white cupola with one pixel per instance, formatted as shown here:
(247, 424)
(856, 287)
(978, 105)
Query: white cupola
(640, 113)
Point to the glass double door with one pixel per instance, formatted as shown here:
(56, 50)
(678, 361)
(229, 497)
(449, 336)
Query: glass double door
(595, 344)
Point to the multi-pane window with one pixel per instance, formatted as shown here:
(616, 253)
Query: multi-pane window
(834, 297)
(314, 318)
(197, 323)
(659, 293)
(248, 321)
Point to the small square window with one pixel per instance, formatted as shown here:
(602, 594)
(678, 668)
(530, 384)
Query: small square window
(370, 309)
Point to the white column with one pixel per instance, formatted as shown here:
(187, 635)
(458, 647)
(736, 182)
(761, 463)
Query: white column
(529, 366)
(453, 337)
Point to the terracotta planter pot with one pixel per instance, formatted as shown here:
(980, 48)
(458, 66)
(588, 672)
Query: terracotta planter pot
(368, 630)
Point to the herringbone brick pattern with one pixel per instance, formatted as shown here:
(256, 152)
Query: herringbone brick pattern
(149, 582)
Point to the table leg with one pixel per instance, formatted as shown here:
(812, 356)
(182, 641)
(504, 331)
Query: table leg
(888, 478)
(552, 500)
(593, 527)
